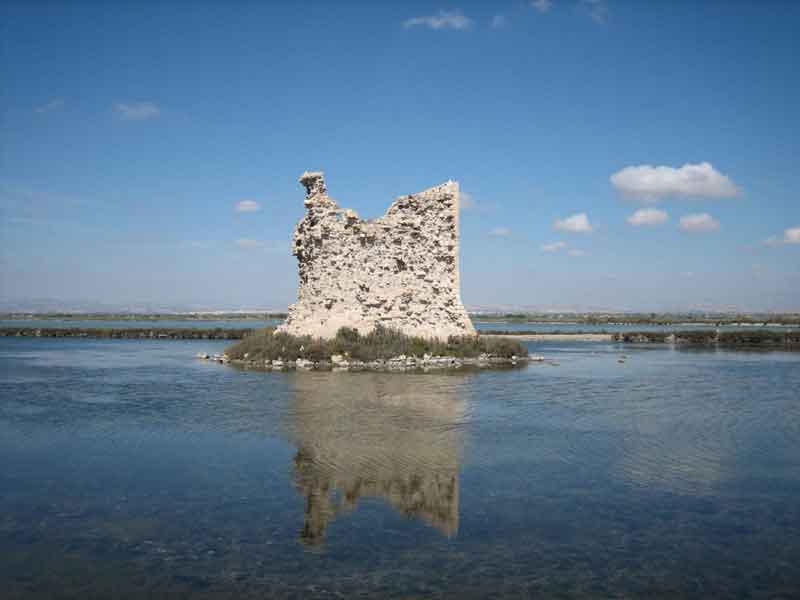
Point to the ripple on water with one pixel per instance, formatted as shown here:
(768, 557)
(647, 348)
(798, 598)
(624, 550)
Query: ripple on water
(669, 473)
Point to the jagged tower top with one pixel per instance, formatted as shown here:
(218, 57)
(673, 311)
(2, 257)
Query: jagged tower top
(314, 182)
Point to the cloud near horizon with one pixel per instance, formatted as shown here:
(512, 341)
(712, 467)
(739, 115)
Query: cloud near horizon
(446, 19)
(249, 243)
(562, 245)
(140, 111)
(542, 6)
(791, 236)
(577, 223)
(500, 232)
(699, 223)
(648, 217)
(247, 206)
(467, 201)
(554, 247)
(596, 9)
(649, 183)
(54, 104)
(497, 22)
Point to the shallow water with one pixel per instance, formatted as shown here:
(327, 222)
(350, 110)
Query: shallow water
(131, 470)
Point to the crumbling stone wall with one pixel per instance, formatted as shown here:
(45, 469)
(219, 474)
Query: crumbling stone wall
(400, 271)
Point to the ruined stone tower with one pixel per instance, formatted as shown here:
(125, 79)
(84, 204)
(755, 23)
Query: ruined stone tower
(399, 271)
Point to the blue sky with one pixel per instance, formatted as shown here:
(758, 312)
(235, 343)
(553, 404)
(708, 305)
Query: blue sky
(615, 155)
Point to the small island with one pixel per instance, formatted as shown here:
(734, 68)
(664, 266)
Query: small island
(377, 294)
(380, 349)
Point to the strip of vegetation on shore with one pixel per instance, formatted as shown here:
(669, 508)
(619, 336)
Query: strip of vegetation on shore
(380, 344)
(745, 338)
(132, 333)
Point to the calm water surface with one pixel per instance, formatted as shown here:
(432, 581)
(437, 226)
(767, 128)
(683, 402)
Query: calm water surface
(131, 470)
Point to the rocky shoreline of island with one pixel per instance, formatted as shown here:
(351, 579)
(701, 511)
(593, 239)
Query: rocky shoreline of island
(339, 362)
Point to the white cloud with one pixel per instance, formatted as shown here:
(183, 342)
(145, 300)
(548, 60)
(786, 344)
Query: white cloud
(790, 236)
(500, 232)
(596, 9)
(444, 20)
(542, 5)
(467, 201)
(198, 244)
(651, 183)
(646, 217)
(137, 112)
(497, 22)
(54, 104)
(699, 223)
(247, 206)
(561, 245)
(248, 243)
(554, 247)
(578, 223)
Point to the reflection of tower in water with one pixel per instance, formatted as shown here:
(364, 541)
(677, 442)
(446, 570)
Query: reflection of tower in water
(378, 435)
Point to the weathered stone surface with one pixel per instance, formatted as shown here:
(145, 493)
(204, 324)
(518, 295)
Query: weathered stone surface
(400, 271)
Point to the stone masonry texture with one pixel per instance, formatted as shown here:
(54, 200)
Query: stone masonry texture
(399, 271)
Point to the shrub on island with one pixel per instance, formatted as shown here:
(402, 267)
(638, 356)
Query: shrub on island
(380, 344)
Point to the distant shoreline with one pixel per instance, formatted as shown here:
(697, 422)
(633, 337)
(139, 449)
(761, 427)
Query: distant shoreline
(676, 320)
(155, 317)
(191, 333)
(133, 333)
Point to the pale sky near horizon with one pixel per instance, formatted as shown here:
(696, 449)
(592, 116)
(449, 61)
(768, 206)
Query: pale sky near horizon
(613, 155)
